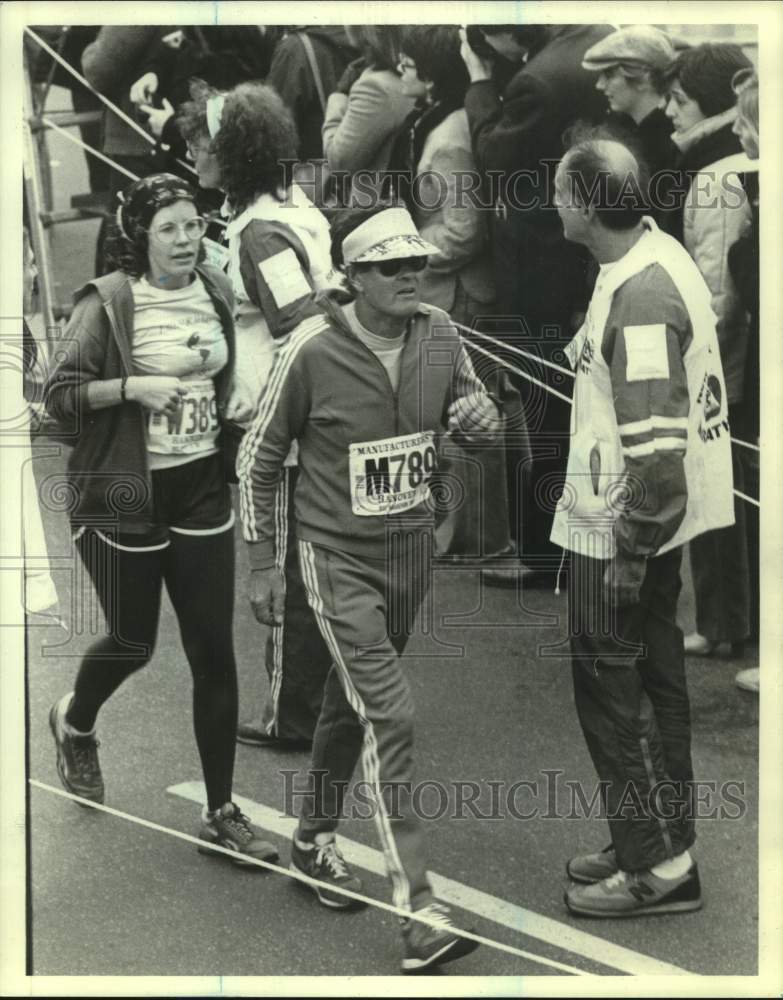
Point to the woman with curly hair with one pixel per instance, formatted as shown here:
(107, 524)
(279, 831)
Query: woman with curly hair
(244, 142)
(143, 378)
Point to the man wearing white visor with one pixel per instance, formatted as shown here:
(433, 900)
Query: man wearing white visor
(367, 390)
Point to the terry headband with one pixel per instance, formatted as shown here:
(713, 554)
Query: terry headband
(214, 114)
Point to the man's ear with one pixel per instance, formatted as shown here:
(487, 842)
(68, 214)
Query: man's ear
(354, 277)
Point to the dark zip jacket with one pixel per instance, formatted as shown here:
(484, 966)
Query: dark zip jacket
(108, 470)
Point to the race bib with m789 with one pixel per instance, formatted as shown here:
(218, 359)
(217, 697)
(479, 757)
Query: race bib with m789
(391, 475)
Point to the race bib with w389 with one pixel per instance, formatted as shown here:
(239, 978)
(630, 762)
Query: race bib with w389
(193, 428)
(391, 475)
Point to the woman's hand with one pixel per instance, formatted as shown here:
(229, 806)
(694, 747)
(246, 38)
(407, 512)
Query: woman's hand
(144, 89)
(238, 407)
(159, 393)
(478, 68)
(157, 117)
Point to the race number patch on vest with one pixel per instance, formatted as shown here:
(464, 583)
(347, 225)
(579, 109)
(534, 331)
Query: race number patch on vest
(216, 255)
(192, 429)
(284, 275)
(645, 347)
(391, 475)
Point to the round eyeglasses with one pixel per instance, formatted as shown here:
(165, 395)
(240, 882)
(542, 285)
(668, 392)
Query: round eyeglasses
(168, 232)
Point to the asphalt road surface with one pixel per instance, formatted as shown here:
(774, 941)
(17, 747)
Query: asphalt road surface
(494, 705)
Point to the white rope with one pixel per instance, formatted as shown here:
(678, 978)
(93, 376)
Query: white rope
(78, 142)
(516, 350)
(560, 395)
(112, 107)
(307, 880)
(746, 444)
(106, 159)
(513, 368)
(747, 499)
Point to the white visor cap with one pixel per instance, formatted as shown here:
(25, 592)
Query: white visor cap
(389, 235)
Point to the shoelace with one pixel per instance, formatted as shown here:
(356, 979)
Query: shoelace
(239, 825)
(618, 878)
(438, 914)
(328, 855)
(85, 755)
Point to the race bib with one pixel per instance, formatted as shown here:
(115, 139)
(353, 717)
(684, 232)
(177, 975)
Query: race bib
(391, 475)
(192, 429)
(216, 255)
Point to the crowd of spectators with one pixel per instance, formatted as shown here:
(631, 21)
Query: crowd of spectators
(465, 127)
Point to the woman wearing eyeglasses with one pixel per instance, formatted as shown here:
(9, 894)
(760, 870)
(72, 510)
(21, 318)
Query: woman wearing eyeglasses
(144, 373)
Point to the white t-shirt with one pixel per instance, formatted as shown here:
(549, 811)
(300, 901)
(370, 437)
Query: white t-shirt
(388, 350)
(178, 332)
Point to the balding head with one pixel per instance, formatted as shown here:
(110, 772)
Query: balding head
(604, 175)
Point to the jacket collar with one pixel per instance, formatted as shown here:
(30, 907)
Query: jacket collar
(688, 138)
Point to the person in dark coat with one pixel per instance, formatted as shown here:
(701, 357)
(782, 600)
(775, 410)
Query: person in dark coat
(540, 279)
(292, 77)
(629, 65)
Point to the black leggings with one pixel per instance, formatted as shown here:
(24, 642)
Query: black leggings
(199, 574)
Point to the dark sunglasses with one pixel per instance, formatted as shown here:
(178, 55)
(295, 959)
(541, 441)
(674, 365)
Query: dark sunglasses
(390, 268)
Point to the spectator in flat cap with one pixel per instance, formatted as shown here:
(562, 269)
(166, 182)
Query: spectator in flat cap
(630, 64)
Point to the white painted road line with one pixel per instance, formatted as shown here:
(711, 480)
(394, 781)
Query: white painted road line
(377, 904)
(483, 904)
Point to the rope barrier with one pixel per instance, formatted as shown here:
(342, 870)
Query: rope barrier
(459, 326)
(746, 444)
(567, 399)
(307, 880)
(747, 499)
(516, 350)
(518, 371)
(105, 100)
(102, 156)
(78, 142)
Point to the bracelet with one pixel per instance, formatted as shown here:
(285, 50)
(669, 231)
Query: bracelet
(123, 383)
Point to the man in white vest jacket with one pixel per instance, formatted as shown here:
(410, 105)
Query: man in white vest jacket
(649, 468)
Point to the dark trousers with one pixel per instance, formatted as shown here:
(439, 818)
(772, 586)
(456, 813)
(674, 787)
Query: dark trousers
(198, 572)
(632, 701)
(542, 284)
(719, 563)
(297, 659)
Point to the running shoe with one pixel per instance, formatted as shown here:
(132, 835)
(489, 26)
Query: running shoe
(426, 946)
(253, 734)
(230, 828)
(325, 863)
(748, 680)
(636, 894)
(77, 755)
(592, 868)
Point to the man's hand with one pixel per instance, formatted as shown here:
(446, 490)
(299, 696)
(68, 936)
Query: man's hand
(474, 415)
(478, 68)
(623, 579)
(267, 595)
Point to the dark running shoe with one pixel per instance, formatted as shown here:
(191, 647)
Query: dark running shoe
(77, 756)
(230, 828)
(253, 734)
(636, 894)
(427, 946)
(325, 863)
(591, 868)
